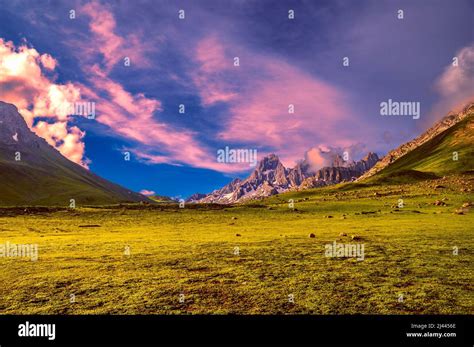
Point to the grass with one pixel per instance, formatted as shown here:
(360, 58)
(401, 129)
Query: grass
(191, 251)
(435, 157)
(47, 178)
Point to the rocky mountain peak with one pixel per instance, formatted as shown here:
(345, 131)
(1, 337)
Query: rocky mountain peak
(16, 135)
(338, 161)
(13, 127)
(8, 110)
(269, 169)
(270, 162)
(370, 156)
(195, 197)
(370, 159)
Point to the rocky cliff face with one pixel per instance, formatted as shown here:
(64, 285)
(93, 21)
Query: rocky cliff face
(15, 136)
(271, 177)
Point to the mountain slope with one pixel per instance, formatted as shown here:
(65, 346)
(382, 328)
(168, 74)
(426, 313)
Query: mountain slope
(43, 176)
(434, 156)
(443, 125)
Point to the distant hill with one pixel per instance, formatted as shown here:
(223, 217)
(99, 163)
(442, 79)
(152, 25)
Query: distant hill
(161, 198)
(433, 153)
(43, 176)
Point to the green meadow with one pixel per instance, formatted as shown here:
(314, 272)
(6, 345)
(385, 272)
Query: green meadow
(257, 258)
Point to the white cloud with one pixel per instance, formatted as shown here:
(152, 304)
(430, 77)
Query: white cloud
(23, 83)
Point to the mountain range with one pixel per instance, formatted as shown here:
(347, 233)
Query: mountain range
(271, 177)
(34, 173)
(447, 147)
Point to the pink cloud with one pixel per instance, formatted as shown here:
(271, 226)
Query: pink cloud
(214, 65)
(318, 157)
(259, 93)
(456, 84)
(68, 140)
(136, 116)
(48, 62)
(321, 156)
(212, 55)
(147, 192)
(23, 83)
(113, 47)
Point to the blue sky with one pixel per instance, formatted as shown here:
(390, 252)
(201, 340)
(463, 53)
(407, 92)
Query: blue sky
(190, 61)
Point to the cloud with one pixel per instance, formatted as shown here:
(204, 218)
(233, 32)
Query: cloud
(323, 156)
(456, 84)
(113, 47)
(260, 93)
(23, 83)
(48, 62)
(133, 115)
(147, 192)
(68, 140)
(256, 94)
(213, 65)
(318, 157)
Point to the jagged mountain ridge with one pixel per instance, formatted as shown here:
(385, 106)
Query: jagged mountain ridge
(271, 177)
(42, 176)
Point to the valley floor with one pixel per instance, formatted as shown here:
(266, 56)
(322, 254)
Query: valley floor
(252, 259)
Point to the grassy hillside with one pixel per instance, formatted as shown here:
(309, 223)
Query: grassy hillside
(42, 176)
(26, 185)
(435, 157)
(54, 185)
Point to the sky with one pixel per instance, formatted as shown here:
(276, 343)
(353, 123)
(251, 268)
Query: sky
(236, 66)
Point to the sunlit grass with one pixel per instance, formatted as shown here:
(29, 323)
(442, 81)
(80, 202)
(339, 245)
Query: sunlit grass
(196, 252)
